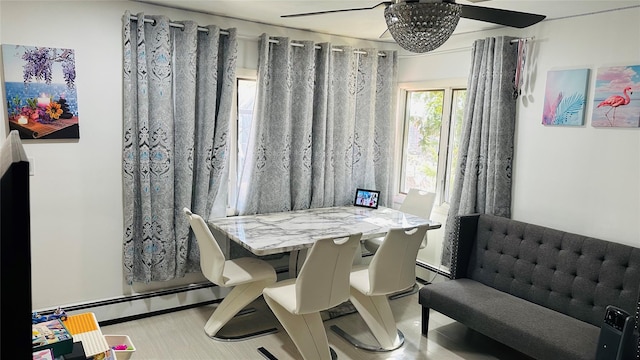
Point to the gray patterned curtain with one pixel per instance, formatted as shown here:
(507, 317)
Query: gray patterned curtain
(178, 87)
(483, 179)
(323, 127)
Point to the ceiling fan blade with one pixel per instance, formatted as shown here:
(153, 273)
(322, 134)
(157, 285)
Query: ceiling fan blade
(510, 18)
(339, 10)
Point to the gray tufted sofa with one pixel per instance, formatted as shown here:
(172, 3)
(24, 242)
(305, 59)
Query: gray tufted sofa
(538, 290)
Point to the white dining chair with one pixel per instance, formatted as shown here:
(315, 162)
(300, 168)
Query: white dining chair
(323, 283)
(248, 276)
(392, 269)
(416, 202)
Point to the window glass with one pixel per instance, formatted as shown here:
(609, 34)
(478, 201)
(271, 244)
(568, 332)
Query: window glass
(455, 126)
(432, 121)
(422, 139)
(246, 101)
(240, 131)
(432, 129)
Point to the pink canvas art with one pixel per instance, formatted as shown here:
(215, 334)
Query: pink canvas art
(616, 100)
(565, 95)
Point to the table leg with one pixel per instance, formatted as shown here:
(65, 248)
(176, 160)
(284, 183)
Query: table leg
(296, 259)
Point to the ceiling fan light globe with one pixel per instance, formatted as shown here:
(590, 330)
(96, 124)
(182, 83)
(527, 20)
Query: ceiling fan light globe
(422, 27)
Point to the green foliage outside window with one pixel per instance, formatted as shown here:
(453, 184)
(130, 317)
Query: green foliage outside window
(425, 120)
(424, 134)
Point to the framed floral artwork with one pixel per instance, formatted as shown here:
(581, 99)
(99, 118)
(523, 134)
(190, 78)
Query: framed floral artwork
(616, 99)
(40, 91)
(564, 98)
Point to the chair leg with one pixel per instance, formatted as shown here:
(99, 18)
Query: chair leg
(425, 321)
(306, 330)
(239, 297)
(376, 313)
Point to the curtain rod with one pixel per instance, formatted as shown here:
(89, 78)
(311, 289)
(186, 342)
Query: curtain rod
(176, 25)
(223, 32)
(459, 49)
(318, 47)
(525, 39)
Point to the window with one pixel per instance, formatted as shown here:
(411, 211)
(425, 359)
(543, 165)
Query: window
(240, 130)
(455, 131)
(246, 100)
(428, 136)
(432, 125)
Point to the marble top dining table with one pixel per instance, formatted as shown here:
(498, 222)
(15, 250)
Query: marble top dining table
(272, 233)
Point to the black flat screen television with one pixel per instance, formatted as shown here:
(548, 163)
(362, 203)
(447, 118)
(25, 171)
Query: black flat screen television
(15, 251)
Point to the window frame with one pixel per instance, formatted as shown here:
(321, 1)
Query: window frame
(449, 86)
(241, 74)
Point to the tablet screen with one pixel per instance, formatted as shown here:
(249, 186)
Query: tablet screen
(367, 198)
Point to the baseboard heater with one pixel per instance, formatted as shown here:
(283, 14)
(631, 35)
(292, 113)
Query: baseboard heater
(139, 306)
(134, 307)
(433, 269)
(423, 265)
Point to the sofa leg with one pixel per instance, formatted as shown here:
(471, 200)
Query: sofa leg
(425, 320)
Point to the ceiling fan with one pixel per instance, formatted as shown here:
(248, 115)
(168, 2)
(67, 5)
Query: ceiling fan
(423, 25)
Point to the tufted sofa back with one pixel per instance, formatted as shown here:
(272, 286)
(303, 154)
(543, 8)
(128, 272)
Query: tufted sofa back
(573, 274)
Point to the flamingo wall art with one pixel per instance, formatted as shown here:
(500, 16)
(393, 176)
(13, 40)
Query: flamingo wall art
(565, 95)
(616, 101)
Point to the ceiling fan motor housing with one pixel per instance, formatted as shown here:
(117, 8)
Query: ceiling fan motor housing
(421, 27)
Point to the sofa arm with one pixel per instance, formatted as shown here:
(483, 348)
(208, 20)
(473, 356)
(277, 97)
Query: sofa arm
(462, 244)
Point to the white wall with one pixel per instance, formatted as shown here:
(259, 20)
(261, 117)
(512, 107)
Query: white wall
(584, 180)
(76, 192)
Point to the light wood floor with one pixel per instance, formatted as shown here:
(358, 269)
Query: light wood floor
(180, 336)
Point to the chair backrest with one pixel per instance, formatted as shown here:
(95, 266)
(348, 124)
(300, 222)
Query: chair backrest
(418, 203)
(323, 281)
(211, 256)
(393, 267)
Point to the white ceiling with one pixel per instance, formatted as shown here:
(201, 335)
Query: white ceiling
(370, 24)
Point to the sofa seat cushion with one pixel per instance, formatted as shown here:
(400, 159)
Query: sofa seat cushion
(534, 330)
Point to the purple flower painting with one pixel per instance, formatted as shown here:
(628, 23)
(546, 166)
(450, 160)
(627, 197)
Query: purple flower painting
(616, 99)
(40, 85)
(564, 100)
